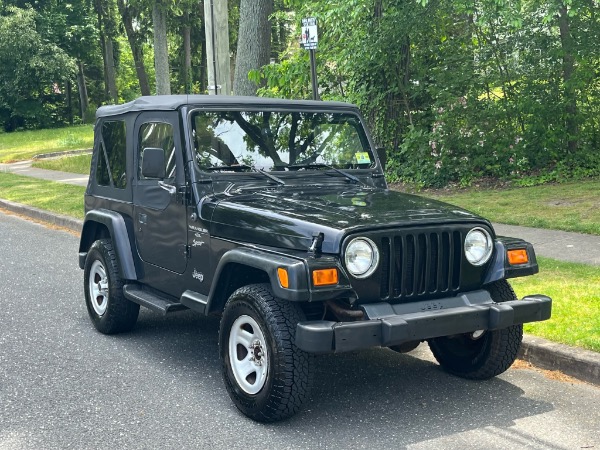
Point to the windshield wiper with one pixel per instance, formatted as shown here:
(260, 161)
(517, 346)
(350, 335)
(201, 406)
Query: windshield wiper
(325, 166)
(241, 167)
(233, 167)
(267, 174)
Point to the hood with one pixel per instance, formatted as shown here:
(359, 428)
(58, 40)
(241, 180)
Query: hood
(289, 217)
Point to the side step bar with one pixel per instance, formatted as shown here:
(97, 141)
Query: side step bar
(150, 300)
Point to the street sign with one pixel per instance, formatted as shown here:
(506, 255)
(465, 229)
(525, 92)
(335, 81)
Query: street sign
(309, 38)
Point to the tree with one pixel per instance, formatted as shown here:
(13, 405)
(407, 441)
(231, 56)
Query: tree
(254, 43)
(461, 90)
(161, 51)
(32, 72)
(127, 12)
(107, 28)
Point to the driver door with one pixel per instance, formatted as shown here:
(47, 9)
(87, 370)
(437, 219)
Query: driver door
(160, 217)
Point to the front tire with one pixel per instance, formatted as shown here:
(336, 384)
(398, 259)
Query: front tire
(266, 375)
(485, 356)
(109, 310)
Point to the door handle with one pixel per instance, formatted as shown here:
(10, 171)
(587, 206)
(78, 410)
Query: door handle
(168, 187)
(142, 218)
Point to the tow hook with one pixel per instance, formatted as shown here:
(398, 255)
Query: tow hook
(477, 334)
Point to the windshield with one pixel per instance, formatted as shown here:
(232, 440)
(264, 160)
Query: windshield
(271, 140)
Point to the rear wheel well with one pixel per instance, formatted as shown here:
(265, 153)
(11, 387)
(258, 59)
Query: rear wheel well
(232, 277)
(92, 231)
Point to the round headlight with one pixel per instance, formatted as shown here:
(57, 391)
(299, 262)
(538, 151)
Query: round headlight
(361, 257)
(478, 246)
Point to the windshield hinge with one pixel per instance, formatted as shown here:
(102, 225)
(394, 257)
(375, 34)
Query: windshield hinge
(317, 243)
(183, 194)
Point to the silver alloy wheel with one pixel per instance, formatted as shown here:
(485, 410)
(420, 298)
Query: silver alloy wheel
(98, 286)
(248, 354)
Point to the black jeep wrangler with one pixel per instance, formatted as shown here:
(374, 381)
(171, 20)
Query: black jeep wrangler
(276, 215)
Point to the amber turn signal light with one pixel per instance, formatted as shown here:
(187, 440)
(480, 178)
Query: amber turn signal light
(324, 277)
(284, 280)
(518, 256)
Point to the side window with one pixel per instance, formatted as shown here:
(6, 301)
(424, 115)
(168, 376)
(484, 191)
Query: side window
(157, 135)
(112, 161)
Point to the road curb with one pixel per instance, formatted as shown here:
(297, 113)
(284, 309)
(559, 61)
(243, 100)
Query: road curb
(576, 362)
(45, 216)
(581, 364)
(63, 153)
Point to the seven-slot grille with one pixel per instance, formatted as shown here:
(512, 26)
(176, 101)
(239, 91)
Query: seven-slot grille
(420, 263)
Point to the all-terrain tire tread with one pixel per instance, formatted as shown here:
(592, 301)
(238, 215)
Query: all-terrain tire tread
(121, 313)
(292, 388)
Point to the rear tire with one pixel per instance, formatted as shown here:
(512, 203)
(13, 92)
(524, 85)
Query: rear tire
(486, 356)
(266, 375)
(109, 310)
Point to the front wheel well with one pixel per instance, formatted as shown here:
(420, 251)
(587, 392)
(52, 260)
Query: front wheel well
(232, 277)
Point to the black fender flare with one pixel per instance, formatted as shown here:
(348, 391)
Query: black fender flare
(500, 269)
(119, 234)
(298, 289)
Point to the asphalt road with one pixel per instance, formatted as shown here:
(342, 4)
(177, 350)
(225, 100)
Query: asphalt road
(63, 385)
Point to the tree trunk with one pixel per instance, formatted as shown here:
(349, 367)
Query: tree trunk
(104, 26)
(83, 95)
(566, 41)
(161, 52)
(111, 74)
(203, 68)
(136, 48)
(187, 53)
(69, 102)
(254, 43)
(105, 68)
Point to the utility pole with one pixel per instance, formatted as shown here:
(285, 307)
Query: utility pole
(217, 47)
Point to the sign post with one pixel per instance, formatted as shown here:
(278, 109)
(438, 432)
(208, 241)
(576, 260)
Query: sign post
(309, 41)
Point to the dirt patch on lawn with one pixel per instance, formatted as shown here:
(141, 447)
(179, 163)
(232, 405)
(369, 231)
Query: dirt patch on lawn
(562, 203)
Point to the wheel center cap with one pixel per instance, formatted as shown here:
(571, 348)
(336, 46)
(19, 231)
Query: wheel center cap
(257, 352)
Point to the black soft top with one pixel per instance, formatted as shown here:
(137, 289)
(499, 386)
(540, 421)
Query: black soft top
(173, 102)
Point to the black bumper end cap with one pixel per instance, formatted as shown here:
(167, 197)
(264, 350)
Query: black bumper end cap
(315, 336)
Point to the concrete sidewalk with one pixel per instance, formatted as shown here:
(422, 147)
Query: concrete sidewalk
(561, 245)
(24, 168)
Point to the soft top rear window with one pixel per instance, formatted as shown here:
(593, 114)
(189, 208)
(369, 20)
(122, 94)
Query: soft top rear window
(274, 140)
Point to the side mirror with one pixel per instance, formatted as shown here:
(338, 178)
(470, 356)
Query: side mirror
(382, 155)
(153, 163)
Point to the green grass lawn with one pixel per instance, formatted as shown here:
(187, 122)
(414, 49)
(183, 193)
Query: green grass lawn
(21, 145)
(74, 164)
(49, 195)
(573, 206)
(575, 292)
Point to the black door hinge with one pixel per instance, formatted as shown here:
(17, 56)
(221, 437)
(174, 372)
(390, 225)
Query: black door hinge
(187, 251)
(183, 195)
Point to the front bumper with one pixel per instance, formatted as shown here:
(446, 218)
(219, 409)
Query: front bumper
(388, 324)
